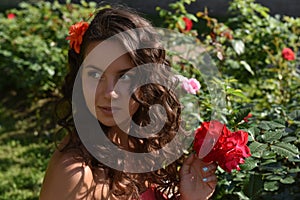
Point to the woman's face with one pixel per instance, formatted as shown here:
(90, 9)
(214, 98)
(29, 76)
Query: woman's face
(107, 75)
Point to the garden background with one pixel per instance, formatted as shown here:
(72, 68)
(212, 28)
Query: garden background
(257, 55)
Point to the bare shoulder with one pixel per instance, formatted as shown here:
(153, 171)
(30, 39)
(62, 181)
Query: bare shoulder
(67, 178)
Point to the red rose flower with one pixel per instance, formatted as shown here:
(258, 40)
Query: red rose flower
(76, 32)
(208, 132)
(246, 119)
(215, 143)
(231, 161)
(11, 16)
(288, 54)
(188, 24)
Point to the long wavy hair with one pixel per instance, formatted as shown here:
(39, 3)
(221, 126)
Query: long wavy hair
(120, 185)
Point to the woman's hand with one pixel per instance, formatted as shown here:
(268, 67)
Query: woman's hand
(197, 179)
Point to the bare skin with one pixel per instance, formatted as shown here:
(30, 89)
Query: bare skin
(66, 178)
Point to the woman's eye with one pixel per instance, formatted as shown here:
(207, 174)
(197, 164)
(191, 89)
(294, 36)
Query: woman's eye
(126, 77)
(94, 74)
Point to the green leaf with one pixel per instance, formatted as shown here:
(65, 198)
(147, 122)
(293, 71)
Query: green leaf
(271, 186)
(5, 53)
(181, 23)
(269, 161)
(274, 167)
(295, 115)
(268, 155)
(295, 170)
(289, 139)
(254, 186)
(287, 180)
(239, 176)
(249, 164)
(280, 121)
(192, 17)
(247, 67)
(241, 195)
(273, 177)
(241, 115)
(182, 8)
(271, 136)
(253, 131)
(275, 125)
(264, 125)
(268, 125)
(236, 92)
(84, 3)
(238, 46)
(285, 149)
(257, 146)
(294, 159)
(92, 4)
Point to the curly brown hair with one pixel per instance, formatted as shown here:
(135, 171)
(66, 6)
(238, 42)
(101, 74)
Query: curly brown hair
(121, 185)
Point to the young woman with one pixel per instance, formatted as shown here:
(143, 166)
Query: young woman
(110, 91)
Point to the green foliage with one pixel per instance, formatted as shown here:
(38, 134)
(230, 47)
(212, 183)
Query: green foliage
(253, 77)
(174, 20)
(22, 167)
(24, 152)
(256, 79)
(33, 48)
(256, 60)
(273, 167)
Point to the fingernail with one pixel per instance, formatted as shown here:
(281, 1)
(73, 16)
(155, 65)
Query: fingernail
(205, 169)
(204, 179)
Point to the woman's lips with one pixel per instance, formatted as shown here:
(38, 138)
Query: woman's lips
(108, 110)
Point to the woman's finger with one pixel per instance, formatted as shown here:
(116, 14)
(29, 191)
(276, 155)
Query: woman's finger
(209, 168)
(212, 178)
(185, 169)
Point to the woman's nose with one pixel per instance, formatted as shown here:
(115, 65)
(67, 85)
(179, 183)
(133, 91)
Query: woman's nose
(110, 91)
(111, 94)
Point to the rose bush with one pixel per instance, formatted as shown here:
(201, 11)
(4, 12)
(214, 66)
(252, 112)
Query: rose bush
(258, 75)
(33, 47)
(260, 78)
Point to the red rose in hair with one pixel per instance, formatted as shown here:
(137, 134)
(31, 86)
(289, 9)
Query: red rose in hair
(288, 54)
(188, 24)
(76, 32)
(220, 145)
(11, 16)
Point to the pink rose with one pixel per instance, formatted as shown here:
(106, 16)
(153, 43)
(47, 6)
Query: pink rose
(191, 85)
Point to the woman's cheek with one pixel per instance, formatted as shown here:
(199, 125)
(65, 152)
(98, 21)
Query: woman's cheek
(89, 92)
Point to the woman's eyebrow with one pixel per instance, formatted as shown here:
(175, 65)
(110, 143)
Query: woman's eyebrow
(123, 71)
(93, 67)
